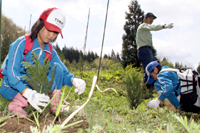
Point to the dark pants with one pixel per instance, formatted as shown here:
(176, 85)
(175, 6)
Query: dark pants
(145, 56)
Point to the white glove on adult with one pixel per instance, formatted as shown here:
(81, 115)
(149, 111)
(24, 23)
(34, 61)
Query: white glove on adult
(79, 84)
(154, 103)
(171, 25)
(36, 99)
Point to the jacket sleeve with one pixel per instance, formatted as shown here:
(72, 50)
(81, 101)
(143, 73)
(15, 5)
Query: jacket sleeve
(152, 27)
(164, 83)
(15, 57)
(67, 77)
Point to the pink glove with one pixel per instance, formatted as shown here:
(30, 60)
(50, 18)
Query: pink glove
(55, 100)
(154, 103)
(16, 105)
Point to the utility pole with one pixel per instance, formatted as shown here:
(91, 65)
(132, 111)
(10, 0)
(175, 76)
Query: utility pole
(30, 23)
(102, 41)
(84, 46)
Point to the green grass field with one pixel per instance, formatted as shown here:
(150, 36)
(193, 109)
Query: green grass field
(111, 113)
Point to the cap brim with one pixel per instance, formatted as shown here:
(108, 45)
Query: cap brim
(52, 27)
(153, 16)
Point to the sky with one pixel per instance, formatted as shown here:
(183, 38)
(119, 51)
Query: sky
(179, 44)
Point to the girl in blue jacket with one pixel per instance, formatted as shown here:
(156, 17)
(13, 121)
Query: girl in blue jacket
(14, 88)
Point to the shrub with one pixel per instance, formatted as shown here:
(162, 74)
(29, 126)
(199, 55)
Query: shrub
(134, 86)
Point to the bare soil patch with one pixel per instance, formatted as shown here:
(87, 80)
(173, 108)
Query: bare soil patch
(17, 125)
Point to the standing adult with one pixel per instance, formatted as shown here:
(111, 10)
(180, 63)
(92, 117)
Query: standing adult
(144, 43)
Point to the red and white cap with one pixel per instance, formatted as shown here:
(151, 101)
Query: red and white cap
(54, 19)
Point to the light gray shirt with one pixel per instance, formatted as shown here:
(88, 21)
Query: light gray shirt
(143, 35)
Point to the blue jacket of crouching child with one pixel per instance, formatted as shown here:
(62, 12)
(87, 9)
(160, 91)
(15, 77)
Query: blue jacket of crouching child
(167, 82)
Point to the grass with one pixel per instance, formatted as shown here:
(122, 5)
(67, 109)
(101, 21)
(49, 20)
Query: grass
(110, 112)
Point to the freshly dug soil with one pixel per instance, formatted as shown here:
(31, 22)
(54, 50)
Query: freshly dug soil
(17, 125)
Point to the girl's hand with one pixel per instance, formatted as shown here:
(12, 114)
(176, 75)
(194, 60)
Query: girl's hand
(36, 99)
(79, 84)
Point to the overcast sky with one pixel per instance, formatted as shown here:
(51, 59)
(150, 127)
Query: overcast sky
(178, 44)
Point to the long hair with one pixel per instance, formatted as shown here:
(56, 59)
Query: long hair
(36, 28)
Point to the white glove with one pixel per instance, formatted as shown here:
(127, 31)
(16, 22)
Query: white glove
(171, 25)
(79, 84)
(36, 99)
(154, 103)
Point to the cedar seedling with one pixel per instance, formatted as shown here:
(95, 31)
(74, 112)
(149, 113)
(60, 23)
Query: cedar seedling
(37, 79)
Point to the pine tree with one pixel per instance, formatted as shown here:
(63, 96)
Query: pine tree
(113, 56)
(134, 18)
(105, 56)
(59, 52)
(118, 56)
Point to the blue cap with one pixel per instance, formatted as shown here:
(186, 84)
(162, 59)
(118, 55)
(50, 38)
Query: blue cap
(149, 14)
(149, 68)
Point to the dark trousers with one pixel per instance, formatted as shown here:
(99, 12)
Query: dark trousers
(145, 56)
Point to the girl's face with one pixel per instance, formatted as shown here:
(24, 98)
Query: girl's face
(46, 36)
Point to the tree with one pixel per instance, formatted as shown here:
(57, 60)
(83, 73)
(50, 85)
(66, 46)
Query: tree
(118, 56)
(10, 32)
(166, 62)
(133, 18)
(95, 56)
(178, 65)
(113, 56)
(59, 52)
(105, 56)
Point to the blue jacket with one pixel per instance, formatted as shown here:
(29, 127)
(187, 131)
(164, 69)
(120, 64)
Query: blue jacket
(167, 82)
(12, 81)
